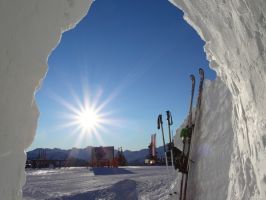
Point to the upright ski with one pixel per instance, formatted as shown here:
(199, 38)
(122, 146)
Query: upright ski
(202, 77)
(184, 158)
(201, 73)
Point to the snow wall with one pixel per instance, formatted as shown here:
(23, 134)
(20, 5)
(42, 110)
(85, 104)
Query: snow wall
(30, 30)
(212, 144)
(229, 148)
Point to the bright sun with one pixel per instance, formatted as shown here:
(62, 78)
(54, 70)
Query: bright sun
(85, 117)
(88, 119)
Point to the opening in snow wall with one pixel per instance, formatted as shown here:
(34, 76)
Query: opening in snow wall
(234, 32)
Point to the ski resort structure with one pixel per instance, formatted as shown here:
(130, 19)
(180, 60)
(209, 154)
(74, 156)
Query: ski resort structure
(152, 157)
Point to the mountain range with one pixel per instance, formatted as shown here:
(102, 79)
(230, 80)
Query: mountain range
(133, 157)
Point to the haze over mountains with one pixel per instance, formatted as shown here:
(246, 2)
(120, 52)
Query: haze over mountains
(133, 157)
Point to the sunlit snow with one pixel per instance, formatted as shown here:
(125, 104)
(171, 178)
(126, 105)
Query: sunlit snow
(127, 183)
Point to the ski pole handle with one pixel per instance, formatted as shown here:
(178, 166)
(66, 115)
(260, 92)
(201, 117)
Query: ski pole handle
(160, 125)
(159, 121)
(170, 122)
(169, 117)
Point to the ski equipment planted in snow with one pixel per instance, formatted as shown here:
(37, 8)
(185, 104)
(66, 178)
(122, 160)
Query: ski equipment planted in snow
(170, 145)
(170, 123)
(186, 139)
(202, 76)
(160, 126)
(201, 73)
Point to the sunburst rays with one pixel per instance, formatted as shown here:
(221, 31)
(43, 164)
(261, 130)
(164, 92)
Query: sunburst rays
(84, 116)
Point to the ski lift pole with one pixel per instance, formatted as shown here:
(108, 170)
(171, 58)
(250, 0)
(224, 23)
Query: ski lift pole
(170, 123)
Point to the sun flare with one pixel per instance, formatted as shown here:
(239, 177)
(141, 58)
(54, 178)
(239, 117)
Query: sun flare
(85, 117)
(88, 119)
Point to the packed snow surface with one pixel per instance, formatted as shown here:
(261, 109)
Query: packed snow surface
(127, 183)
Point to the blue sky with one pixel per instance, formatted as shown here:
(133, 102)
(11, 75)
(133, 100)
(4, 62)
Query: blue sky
(136, 56)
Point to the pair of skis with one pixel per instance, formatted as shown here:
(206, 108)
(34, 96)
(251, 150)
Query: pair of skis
(187, 140)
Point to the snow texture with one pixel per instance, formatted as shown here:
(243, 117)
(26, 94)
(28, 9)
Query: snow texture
(229, 147)
(234, 31)
(30, 30)
(125, 183)
(212, 144)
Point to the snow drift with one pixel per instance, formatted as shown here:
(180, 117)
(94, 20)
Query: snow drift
(234, 32)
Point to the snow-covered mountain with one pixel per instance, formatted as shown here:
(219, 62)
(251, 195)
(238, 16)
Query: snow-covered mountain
(133, 157)
(62, 154)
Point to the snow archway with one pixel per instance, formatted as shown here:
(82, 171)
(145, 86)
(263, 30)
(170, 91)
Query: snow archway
(234, 32)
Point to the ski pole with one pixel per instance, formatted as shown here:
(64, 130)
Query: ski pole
(171, 143)
(170, 123)
(160, 126)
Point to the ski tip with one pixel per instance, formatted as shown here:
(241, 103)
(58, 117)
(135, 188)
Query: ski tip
(201, 72)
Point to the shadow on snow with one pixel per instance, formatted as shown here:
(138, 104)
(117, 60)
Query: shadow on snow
(122, 190)
(110, 171)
